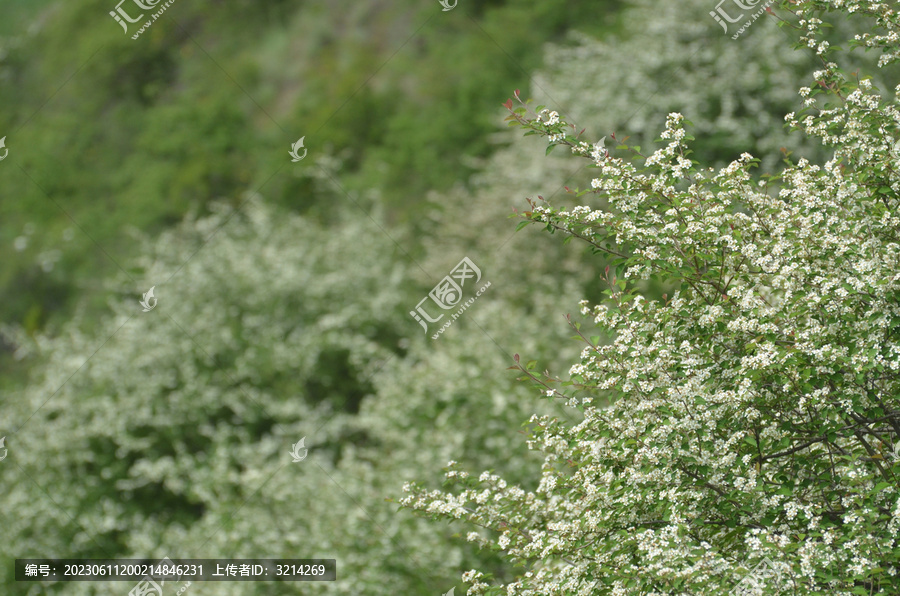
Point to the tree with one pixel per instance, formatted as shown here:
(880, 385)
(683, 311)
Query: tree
(168, 432)
(741, 430)
(674, 57)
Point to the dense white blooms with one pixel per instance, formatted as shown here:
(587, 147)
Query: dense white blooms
(672, 56)
(744, 424)
(173, 436)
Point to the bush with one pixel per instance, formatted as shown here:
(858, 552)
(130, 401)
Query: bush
(168, 432)
(674, 57)
(741, 430)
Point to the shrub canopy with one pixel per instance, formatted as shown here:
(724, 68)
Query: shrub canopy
(741, 430)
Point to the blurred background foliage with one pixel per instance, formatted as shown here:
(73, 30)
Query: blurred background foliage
(123, 133)
(284, 289)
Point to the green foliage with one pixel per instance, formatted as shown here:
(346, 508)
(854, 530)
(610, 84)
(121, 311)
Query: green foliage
(673, 57)
(198, 109)
(171, 436)
(168, 432)
(742, 431)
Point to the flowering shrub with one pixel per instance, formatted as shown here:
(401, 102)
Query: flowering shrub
(168, 432)
(673, 56)
(749, 418)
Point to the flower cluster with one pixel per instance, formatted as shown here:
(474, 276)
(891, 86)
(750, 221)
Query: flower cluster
(749, 416)
(675, 57)
(155, 427)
